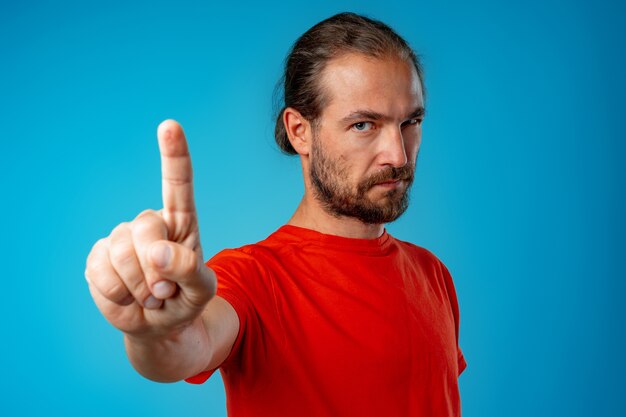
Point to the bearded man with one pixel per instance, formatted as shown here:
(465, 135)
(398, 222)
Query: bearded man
(330, 315)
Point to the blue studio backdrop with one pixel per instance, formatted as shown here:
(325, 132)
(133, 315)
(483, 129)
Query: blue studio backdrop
(519, 187)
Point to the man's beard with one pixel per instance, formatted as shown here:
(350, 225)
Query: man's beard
(339, 199)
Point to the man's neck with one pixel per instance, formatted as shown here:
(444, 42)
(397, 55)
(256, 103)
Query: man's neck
(311, 215)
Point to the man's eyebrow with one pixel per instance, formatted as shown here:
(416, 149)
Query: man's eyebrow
(363, 114)
(373, 115)
(418, 112)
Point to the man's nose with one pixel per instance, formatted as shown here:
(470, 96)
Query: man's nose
(393, 148)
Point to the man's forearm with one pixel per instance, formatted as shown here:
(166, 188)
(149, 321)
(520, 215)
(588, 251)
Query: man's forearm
(170, 358)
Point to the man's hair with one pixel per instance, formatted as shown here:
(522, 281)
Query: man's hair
(329, 39)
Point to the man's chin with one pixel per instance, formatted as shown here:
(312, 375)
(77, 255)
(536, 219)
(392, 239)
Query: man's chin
(384, 197)
(384, 212)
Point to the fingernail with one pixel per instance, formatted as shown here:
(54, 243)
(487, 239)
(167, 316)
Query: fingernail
(163, 289)
(161, 255)
(152, 303)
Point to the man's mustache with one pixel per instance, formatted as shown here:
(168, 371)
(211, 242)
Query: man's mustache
(405, 173)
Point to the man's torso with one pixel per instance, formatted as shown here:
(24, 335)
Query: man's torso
(338, 326)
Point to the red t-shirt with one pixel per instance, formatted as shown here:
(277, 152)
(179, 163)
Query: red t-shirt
(333, 326)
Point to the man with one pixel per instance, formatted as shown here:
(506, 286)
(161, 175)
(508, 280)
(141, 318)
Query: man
(330, 315)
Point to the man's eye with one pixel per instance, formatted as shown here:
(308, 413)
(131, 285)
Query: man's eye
(363, 126)
(415, 121)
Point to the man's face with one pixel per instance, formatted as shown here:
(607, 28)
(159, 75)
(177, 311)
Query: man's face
(365, 145)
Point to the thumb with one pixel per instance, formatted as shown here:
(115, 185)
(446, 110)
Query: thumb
(179, 264)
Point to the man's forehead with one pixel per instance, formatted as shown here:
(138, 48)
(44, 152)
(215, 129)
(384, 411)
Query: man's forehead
(387, 84)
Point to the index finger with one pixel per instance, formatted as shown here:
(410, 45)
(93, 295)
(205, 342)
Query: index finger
(176, 172)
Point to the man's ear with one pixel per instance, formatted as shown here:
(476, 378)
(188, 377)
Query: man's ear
(298, 130)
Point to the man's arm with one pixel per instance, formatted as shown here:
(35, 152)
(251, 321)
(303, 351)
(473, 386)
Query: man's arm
(148, 278)
(200, 347)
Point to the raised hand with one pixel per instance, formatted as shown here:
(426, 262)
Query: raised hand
(148, 276)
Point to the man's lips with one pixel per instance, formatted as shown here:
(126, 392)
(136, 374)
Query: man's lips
(390, 183)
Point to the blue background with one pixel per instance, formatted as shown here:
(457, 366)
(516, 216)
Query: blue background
(519, 190)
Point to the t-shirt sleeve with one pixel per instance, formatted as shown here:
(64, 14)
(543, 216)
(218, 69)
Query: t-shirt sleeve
(454, 304)
(236, 271)
(461, 361)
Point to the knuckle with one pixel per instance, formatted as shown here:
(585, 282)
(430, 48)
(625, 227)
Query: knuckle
(122, 253)
(96, 249)
(147, 212)
(89, 276)
(96, 261)
(189, 264)
(102, 242)
(114, 290)
(146, 224)
(120, 228)
(91, 271)
(139, 290)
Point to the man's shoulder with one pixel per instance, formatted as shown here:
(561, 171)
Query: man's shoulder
(426, 261)
(249, 254)
(416, 250)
